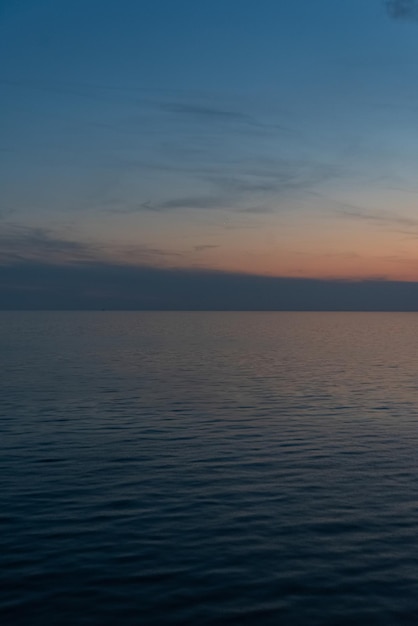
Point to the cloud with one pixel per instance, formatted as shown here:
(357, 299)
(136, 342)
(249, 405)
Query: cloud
(228, 207)
(382, 218)
(206, 113)
(259, 210)
(101, 285)
(233, 203)
(246, 190)
(206, 246)
(192, 202)
(279, 177)
(29, 244)
(251, 184)
(5, 212)
(402, 9)
(25, 243)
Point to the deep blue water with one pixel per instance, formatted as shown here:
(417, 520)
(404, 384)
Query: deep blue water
(208, 468)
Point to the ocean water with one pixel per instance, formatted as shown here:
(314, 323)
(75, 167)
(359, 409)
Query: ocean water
(208, 468)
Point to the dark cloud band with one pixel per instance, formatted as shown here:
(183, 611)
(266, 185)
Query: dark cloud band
(95, 286)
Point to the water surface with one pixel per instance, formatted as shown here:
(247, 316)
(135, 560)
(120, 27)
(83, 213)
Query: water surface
(208, 468)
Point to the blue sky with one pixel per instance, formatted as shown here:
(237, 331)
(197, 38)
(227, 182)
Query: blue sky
(271, 138)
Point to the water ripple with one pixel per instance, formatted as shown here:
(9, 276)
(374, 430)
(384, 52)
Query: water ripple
(210, 469)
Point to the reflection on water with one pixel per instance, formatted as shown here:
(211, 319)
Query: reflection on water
(209, 468)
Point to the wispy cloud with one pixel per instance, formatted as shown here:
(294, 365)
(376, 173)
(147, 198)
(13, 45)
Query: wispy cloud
(384, 218)
(206, 113)
(27, 243)
(210, 111)
(192, 202)
(5, 212)
(280, 177)
(244, 189)
(33, 244)
(205, 246)
(391, 219)
(402, 9)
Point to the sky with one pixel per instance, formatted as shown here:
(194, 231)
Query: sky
(212, 154)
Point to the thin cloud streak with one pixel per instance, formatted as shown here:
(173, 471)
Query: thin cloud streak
(402, 9)
(41, 245)
(380, 218)
(198, 202)
(206, 113)
(239, 192)
(204, 246)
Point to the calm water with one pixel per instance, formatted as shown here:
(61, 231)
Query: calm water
(208, 468)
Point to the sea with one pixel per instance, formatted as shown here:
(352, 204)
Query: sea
(220, 468)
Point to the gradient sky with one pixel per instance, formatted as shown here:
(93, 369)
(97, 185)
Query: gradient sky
(269, 137)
